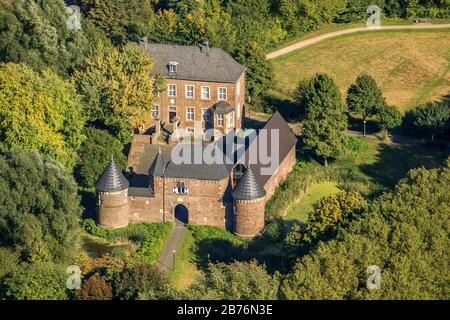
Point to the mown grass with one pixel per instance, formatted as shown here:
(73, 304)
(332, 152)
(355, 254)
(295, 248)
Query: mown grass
(299, 211)
(185, 270)
(411, 66)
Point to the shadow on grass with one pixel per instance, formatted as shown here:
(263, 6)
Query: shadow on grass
(396, 159)
(261, 249)
(285, 107)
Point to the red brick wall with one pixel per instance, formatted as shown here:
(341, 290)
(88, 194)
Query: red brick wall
(281, 173)
(249, 217)
(113, 209)
(235, 96)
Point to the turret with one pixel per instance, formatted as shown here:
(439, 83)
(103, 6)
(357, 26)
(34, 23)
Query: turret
(249, 198)
(112, 193)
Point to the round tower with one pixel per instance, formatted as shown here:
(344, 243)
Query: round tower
(249, 199)
(112, 196)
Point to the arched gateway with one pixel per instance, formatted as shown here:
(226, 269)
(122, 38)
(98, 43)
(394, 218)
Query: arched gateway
(181, 215)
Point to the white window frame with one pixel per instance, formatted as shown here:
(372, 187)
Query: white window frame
(209, 93)
(172, 68)
(231, 119)
(220, 96)
(169, 90)
(193, 91)
(220, 120)
(205, 111)
(155, 110)
(188, 109)
(190, 131)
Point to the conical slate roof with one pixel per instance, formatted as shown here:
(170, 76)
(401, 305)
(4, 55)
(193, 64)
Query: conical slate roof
(159, 166)
(112, 179)
(249, 187)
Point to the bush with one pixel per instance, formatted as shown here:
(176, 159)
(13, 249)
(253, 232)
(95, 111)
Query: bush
(37, 281)
(353, 147)
(94, 288)
(92, 228)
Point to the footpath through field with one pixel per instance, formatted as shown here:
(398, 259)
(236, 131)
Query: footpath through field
(308, 42)
(166, 258)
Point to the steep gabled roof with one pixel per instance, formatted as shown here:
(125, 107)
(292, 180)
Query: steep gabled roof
(215, 65)
(248, 187)
(159, 165)
(287, 140)
(112, 179)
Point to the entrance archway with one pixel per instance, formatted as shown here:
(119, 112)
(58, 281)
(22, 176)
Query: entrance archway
(181, 215)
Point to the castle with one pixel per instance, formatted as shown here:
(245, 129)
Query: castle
(231, 194)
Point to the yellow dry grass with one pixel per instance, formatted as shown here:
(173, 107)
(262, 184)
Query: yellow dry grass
(410, 66)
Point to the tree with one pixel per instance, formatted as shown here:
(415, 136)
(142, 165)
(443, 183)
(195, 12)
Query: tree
(432, 118)
(94, 288)
(137, 279)
(404, 232)
(388, 117)
(39, 207)
(259, 76)
(39, 111)
(331, 212)
(36, 33)
(117, 89)
(325, 119)
(35, 281)
(365, 97)
(92, 164)
(9, 260)
(236, 281)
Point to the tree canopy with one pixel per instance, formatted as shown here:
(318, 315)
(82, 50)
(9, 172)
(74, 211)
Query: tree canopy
(39, 207)
(404, 232)
(39, 111)
(432, 118)
(117, 90)
(325, 119)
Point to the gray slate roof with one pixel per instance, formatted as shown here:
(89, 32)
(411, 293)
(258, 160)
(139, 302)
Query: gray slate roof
(159, 165)
(112, 179)
(214, 66)
(222, 107)
(248, 187)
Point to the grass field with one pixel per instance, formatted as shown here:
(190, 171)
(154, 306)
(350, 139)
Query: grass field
(299, 211)
(411, 66)
(185, 269)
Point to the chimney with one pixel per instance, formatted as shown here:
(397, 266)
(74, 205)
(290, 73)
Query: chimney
(205, 47)
(143, 42)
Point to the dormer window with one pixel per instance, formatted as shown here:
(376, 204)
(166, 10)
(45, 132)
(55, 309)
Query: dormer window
(173, 67)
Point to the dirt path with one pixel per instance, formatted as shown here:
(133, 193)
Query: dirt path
(308, 42)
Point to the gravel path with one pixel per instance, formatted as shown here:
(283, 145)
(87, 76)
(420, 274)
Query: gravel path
(308, 42)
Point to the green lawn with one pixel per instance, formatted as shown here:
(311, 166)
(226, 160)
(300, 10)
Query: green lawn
(185, 270)
(299, 211)
(411, 66)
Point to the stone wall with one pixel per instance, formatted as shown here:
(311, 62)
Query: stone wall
(249, 217)
(113, 209)
(281, 173)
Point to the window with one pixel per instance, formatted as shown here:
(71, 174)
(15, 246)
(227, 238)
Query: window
(206, 115)
(222, 93)
(154, 111)
(206, 94)
(190, 114)
(180, 188)
(190, 92)
(172, 68)
(231, 119)
(220, 120)
(172, 90)
(190, 130)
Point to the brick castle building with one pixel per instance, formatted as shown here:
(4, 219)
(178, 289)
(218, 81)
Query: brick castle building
(229, 195)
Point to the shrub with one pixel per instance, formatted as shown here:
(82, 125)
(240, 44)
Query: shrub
(94, 288)
(353, 147)
(92, 228)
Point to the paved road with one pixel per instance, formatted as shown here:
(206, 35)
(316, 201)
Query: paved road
(308, 42)
(173, 242)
